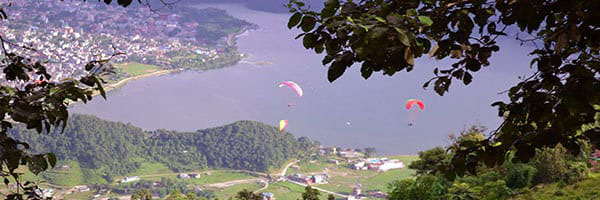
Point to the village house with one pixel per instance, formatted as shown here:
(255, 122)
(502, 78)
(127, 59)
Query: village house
(268, 196)
(319, 178)
(350, 154)
(130, 179)
(337, 162)
(82, 188)
(187, 176)
(377, 164)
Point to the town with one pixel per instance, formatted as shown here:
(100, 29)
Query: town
(65, 38)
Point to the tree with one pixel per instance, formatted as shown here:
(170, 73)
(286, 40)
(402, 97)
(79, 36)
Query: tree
(176, 195)
(558, 103)
(330, 197)
(370, 151)
(248, 195)
(462, 191)
(429, 160)
(519, 175)
(424, 187)
(142, 194)
(310, 193)
(551, 164)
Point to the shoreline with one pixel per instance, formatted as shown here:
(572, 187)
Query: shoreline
(231, 39)
(110, 87)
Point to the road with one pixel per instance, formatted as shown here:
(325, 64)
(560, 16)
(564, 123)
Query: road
(284, 171)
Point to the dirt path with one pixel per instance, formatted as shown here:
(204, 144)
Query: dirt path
(236, 182)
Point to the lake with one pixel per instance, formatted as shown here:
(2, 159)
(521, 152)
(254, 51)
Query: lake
(351, 112)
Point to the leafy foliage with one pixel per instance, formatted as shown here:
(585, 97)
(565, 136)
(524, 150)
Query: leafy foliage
(248, 195)
(559, 103)
(142, 194)
(519, 175)
(310, 193)
(429, 160)
(549, 165)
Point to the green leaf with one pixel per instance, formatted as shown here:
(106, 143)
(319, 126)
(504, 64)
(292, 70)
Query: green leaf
(308, 41)
(335, 71)
(308, 23)
(425, 20)
(467, 78)
(366, 71)
(328, 11)
(380, 19)
(51, 159)
(403, 38)
(124, 3)
(294, 20)
(350, 19)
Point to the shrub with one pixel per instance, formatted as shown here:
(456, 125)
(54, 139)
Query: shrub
(576, 171)
(519, 175)
(495, 190)
(462, 191)
(551, 164)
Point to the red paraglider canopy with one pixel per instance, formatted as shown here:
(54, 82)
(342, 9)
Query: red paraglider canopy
(411, 102)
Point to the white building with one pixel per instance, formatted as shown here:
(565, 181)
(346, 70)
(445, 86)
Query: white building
(130, 179)
(392, 164)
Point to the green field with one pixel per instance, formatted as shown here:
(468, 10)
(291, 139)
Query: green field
(287, 191)
(219, 177)
(136, 69)
(230, 192)
(214, 177)
(149, 168)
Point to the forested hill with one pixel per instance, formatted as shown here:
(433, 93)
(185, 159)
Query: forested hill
(117, 148)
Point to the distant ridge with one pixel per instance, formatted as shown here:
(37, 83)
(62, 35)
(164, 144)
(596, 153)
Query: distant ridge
(115, 149)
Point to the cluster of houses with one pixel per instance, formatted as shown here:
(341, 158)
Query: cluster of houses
(358, 194)
(69, 42)
(377, 164)
(188, 176)
(310, 179)
(344, 153)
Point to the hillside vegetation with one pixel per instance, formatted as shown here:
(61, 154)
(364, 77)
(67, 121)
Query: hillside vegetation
(588, 188)
(112, 149)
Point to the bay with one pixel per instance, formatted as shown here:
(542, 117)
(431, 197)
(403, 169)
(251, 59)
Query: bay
(351, 112)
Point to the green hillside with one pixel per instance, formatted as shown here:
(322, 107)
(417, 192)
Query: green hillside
(99, 151)
(588, 188)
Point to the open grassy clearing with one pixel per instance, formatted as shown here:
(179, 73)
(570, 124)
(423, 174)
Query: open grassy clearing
(230, 192)
(136, 69)
(287, 191)
(149, 168)
(219, 177)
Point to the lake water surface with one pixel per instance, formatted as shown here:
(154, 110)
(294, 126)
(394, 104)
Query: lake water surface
(350, 112)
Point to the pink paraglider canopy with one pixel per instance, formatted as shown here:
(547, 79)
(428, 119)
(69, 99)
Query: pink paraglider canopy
(411, 102)
(292, 85)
